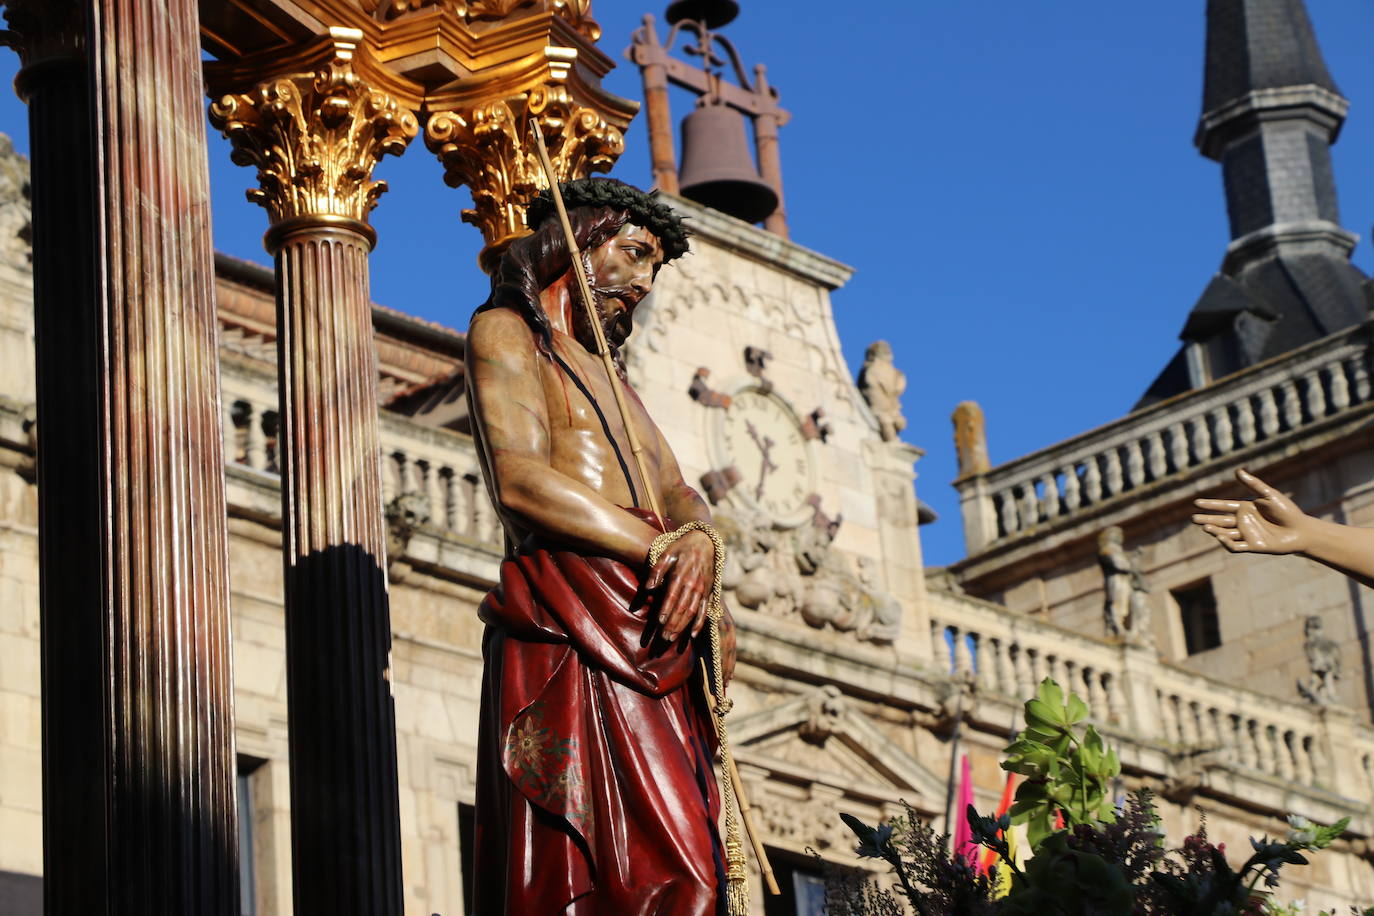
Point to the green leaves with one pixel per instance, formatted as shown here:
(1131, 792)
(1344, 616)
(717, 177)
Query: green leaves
(1067, 770)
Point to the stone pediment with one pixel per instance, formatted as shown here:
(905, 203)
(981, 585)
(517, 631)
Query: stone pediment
(821, 738)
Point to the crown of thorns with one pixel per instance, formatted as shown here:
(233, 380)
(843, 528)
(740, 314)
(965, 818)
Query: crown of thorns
(644, 209)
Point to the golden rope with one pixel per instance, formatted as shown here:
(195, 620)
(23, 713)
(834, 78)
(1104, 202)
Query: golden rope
(736, 885)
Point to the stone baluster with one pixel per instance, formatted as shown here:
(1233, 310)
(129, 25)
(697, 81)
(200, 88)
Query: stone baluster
(1292, 406)
(1201, 438)
(1242, 742)
(1359, 372)
(1245, 421)
(1054, 670)
(1168, 719)
(1097, 694)
(435, 477)
(1072, 491)
(1092, 480)
(1188, 722)
(1283, 755)
(1268, 413)
(1178, 447)
(984, 662)
(1159, 459)
(1073, 678)
(1303, 770)
(1264, 750)
(1030, 505)
(1006, 670)
(1112, 480)
(230, 434)
(1315, 395)
(1025, 674)
(1223, 434)
(963, 658)
(390, 484)
(315, 136)
(1135, 464)
(254, 440)
(1116, 701)
(1049, 501)
(1038, 668)
(940, 656)
(1340, 386)
(1008, 513)
(137, 729)
(1212, 732)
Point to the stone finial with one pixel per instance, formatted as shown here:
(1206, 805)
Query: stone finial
(882, 384)
(1324, 662)
(971, 440)
(316, 136)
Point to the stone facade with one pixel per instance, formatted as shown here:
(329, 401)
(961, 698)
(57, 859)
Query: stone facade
(854, 669)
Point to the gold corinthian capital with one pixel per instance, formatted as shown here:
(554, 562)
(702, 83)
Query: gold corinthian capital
(489, 148)
(315, 136)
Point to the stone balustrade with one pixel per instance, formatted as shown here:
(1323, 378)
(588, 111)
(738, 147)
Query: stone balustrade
(1263, 404)
(437, 467)
(1132, 693)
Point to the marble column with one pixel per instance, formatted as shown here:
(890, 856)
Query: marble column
(138, 760)
(315, 138)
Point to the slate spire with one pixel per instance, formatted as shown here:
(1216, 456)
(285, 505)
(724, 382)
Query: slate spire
(1270, 112)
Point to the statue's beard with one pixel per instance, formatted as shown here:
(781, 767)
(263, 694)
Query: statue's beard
(614, 308)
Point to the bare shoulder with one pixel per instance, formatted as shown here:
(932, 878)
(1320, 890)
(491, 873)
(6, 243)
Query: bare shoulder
(499, 332)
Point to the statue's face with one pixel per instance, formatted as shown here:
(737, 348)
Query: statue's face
(622, 273)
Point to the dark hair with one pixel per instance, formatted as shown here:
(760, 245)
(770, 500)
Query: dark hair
(531, 264)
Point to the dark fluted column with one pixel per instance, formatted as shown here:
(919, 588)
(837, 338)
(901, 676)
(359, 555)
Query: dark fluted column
(138, 787)
(315, 138)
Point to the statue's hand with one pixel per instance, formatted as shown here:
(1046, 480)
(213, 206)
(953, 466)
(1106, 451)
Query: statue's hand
(685, 574)
(1271, 523)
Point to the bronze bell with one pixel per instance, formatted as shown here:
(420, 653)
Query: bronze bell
(711, 13)
(716, 167)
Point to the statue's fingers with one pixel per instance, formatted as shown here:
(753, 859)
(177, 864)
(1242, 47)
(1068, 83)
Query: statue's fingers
(1228, 537)
(659, 570)
(1217, 505)
(1257, 486)
(1220, 521)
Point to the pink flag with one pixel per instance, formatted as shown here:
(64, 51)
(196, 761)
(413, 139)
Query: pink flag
(963, 834)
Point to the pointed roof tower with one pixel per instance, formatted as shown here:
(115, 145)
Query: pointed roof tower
(1270, 112)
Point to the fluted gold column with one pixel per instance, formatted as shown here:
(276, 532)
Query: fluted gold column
(138, 785)
(315, 138)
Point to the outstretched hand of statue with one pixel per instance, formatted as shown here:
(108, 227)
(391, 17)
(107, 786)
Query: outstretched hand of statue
(684, 575)
(1271, 523)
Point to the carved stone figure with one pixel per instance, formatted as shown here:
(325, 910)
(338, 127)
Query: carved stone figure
(882, 384)
(749, 575)
(588, 710)
(1127, 605)
(825, 707)
(829, 591)
(1324, 662)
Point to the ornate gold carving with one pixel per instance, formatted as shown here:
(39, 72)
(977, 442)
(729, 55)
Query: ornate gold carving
(315, 137)
(488, 148)
(576, 12)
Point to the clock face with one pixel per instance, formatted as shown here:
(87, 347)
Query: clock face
(764, 444)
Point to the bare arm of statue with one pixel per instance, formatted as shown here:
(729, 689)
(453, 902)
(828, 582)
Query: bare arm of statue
(684, 504)
(1272, 524)
(513, 417)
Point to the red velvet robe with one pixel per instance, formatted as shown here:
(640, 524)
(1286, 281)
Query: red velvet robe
(595, 793)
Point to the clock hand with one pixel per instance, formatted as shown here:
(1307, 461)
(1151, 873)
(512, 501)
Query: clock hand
(765, 446)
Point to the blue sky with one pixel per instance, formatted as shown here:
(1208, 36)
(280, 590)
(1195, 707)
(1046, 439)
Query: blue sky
(1014, 182)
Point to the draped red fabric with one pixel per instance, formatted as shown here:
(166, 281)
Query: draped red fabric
(595, 793)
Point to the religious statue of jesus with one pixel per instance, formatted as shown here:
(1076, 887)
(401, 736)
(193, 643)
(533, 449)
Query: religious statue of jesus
(595, 792)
